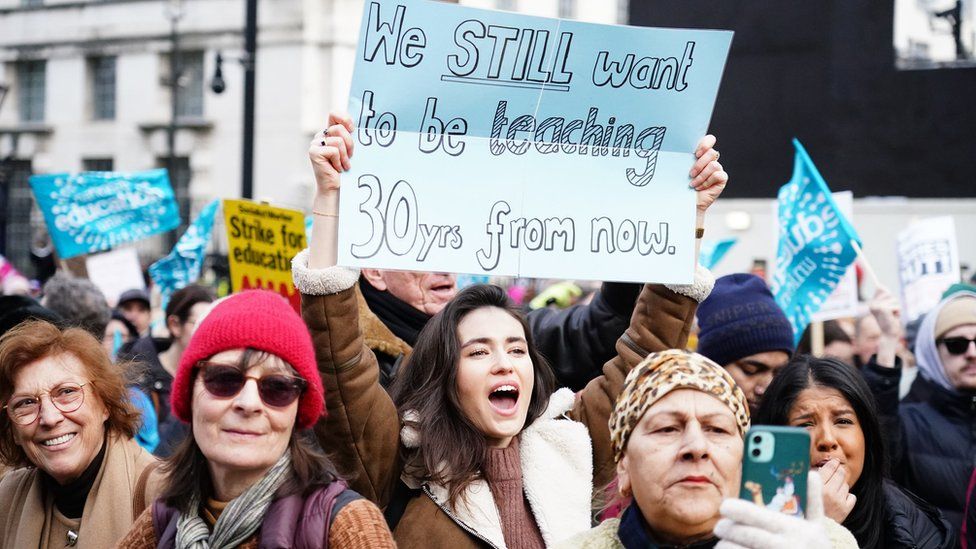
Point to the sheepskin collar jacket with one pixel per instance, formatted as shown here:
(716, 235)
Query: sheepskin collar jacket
(557, 474)
(564, 453)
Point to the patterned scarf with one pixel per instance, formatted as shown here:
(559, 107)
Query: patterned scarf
(239, 520)
(661, 373)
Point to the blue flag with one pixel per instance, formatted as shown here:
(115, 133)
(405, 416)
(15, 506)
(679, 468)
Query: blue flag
(182, 265)
(94, 211)
(814, 247)
(712, 251)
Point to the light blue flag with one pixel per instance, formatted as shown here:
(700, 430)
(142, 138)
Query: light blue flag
(712, 251)
(814, 247)
(94, 211)
(465, 280)
(182, 265)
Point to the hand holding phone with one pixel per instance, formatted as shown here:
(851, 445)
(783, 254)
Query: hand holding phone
(774, 468)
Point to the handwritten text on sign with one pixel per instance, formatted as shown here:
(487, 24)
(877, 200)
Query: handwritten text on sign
(495, 143)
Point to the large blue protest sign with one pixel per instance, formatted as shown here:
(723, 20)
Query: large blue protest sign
(94, 211)
(183, 263)
(814, 248)
(494, 143)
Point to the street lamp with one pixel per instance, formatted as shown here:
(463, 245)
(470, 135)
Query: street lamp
(3, 180)
(218, 85)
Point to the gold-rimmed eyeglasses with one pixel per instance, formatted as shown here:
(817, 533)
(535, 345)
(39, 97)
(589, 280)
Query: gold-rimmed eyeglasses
(66, 397)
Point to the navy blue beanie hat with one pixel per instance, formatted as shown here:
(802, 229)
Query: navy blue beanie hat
(740, 318)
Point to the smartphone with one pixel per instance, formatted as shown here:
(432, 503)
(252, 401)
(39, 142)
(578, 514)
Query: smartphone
(774, 468)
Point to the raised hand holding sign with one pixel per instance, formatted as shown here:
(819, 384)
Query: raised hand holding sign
(495, 143)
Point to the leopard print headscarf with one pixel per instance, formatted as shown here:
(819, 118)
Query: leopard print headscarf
(661, 373)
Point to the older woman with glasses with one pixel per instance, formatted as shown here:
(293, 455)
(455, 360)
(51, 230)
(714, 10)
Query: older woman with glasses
(247, 475)
(66, 422)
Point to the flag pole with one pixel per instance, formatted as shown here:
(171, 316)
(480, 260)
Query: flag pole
(867, 264)
(817, 338)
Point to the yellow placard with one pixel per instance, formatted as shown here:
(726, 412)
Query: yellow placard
(262, 241)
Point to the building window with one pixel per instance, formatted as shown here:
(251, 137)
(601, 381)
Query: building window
(567, 9)
(30, 90)
(17, 205)
(103, 88)
(97, 164)
(179, 178)
(189, 97)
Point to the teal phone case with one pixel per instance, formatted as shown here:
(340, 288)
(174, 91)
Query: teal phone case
(774, 474)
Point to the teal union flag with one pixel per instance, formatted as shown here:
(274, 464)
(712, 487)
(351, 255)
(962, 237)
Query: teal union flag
(816, 243)
(182, 266)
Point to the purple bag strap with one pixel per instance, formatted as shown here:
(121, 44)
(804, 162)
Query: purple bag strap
(164, 524)
(292, 522)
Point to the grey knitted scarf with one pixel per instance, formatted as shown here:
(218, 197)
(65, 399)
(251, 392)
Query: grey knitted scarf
(239, 520)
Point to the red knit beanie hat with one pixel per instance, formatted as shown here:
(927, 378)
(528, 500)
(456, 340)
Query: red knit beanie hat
(261, 320)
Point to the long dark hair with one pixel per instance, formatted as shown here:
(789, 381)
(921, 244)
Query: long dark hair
(866, 520)
(452, 451)
(187, 472)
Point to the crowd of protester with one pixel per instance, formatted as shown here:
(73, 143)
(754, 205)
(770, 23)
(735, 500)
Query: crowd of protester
(396, 409)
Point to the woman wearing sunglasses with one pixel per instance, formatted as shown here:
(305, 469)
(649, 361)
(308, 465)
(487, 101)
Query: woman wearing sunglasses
(933, 441)
(67, 424)
(247, 475)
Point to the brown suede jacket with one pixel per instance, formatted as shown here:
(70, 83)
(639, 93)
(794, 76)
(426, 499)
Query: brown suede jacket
(362, 429)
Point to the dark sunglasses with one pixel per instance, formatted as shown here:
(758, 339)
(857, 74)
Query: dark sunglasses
(226, 381)
(957, 345)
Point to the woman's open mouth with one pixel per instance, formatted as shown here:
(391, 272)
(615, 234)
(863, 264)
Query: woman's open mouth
(504, 399)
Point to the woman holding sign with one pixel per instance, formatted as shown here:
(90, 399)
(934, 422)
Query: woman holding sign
(472, 447)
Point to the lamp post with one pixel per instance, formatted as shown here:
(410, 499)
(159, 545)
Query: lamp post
(250, 49)
(4, 188)
(247, 60)
(174, 11)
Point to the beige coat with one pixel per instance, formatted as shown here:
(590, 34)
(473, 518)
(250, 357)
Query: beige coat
(29, 520)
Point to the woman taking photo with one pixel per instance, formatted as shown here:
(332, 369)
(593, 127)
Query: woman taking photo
(67, 422)
(247, 475)
(833, 402)
(677, 432)
(485, 455)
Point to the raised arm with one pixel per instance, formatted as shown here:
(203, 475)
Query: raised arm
(883, 374)
(661, 320)
(578, 340)
(361, 429)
